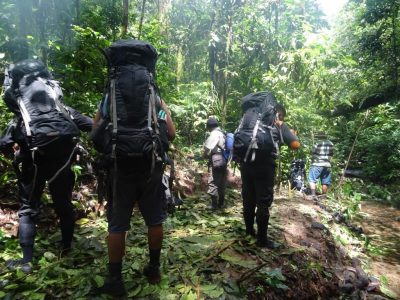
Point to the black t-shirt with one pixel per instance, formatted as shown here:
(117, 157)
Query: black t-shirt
(281, 134)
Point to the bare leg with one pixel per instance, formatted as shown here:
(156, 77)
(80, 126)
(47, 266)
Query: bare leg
(312, 188)
(116, 247)
(155, 235)
(155, 238)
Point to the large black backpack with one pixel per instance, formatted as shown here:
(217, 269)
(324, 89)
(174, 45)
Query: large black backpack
(255, 136)
(131, 126)
(39, 103)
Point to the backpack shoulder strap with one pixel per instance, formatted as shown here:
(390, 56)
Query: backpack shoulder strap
(253, 143)
(26, 118)
(152, 107)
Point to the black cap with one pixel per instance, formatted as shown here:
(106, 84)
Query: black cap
(212, 122)
(320, 135)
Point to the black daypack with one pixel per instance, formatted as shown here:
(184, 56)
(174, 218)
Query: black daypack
(298, 174)
(254, 135)
(132, 126)
(39, 103)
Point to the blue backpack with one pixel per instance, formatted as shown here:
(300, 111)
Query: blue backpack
(229, 139)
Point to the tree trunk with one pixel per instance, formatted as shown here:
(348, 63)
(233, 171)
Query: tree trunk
(395, 59)
(163, 6)
(388, 95)
(41, 25)
(77, 11)
(212, 50)
(125, 18)
(141, 18)
(229, 37)
(25, 17)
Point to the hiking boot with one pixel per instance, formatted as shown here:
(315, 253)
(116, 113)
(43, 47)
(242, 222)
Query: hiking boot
(212, 207)
(113, 286)
(312, 198)
(251, 232)
(221, 203)
(25, 267)
(267, 243)
(214, 203)
(152, 273)
(64, 252)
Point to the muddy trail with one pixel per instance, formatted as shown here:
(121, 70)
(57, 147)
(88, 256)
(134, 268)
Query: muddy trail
(208, 256)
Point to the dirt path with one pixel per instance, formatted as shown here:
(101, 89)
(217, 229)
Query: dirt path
(334, 249)
(382, 224)
(206, 255)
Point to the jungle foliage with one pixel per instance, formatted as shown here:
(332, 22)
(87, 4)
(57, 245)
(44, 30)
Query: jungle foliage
(342, 78)
(213, 52)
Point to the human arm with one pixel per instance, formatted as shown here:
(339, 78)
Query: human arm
(289, 138)
(96, 119)
(11, 101)
(171, 132)
(7, 141)
(83, 122)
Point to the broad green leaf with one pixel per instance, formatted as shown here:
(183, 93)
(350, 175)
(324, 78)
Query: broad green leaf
(50, 256)
(234, 258)
(99, 280)
(212, 290)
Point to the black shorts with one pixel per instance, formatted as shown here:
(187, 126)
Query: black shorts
(134, 186)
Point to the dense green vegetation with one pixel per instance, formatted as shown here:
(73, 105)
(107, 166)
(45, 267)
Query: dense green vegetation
(214, 52)
(341, 77)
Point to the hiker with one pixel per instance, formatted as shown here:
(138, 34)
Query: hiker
(43, 137)
(257, 141)
(320, 169)
(132, 129)
(214, 148)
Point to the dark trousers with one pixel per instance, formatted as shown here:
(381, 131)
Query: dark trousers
(257, 194)
(135, 183)
(33, 174)
(217, 185)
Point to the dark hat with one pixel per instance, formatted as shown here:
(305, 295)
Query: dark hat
(212, 122)
(320, 135)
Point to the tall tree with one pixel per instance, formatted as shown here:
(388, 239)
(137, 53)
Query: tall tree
(125, 18)
(141, 18)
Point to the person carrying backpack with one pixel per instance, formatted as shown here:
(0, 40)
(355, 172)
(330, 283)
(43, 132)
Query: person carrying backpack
(257, 141)
(320, 169)
(214, 149)
(132, 130)
(43, 136)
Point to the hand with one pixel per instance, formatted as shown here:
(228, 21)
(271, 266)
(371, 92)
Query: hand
(15, 147)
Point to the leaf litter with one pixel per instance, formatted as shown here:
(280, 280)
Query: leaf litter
(205, 255)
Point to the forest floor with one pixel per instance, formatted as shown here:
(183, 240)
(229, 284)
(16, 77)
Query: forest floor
(207, 255)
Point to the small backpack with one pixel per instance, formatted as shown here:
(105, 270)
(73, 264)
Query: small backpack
(254, 135)
(229, 140)
(298, 174)
(133, 125)
(39, 103)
